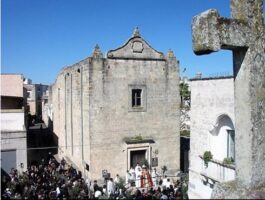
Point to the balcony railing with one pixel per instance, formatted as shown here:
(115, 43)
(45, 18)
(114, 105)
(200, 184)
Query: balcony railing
(217, 171)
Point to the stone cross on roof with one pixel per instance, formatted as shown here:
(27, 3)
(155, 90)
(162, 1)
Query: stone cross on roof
(244, 35)
(136, 32)
(97, 52)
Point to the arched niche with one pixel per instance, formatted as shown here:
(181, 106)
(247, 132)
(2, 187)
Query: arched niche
(222, 138)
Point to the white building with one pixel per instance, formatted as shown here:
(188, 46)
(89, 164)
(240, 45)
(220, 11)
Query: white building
(47, 108)
(35, 94)
(13, 131)
(212, 129)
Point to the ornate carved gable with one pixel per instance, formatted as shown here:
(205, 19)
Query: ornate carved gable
(136, 48)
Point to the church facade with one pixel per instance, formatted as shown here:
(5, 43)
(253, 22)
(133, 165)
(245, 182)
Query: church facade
(112, 112)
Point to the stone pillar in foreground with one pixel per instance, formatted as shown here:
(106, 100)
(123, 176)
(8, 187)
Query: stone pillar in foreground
(243, 34)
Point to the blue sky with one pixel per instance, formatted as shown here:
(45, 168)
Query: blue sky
(40, 37)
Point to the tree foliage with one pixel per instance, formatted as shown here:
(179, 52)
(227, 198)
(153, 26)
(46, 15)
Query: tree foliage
(184, 91)
(185, 106)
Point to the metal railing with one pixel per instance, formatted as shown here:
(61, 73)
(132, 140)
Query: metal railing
(217, 171)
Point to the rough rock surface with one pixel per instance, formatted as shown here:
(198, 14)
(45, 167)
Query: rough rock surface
(244, 34)
(231, 190)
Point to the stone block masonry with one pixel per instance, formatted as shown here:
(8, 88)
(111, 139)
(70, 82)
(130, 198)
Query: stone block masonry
(94, 115)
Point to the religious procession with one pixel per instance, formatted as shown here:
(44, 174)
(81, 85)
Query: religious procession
(60, 180)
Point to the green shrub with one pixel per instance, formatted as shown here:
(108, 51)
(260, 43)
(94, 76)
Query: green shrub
(228, 161)
(185, 133)
(207, 156)
(138, 137)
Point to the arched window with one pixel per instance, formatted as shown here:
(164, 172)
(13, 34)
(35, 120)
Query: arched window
(231, 144)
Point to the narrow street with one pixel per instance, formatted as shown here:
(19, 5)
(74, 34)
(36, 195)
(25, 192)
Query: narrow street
(40, 142)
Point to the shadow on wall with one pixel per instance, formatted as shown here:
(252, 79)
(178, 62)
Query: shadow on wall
(41, 142)
(184, 154)
(50, 125)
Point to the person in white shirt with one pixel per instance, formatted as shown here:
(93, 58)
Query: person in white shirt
(168, 183)
(58, 191)
(117, 181)
(127, 179)
(88, 183)
(154, 175)
(164, 181)
(110, 187)
(98, 193)
(138, 173)
(132, 172)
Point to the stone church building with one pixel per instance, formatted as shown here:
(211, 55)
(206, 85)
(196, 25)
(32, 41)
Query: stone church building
(111, 112)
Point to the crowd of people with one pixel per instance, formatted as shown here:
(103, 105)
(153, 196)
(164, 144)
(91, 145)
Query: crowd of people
(59, 180)
(48, 180)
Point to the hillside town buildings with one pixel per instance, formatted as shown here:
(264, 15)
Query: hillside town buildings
(13, 123)
(35, 94)
(112, 112)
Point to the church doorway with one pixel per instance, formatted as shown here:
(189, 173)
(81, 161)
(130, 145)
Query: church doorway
(138, 153)
(138, 156)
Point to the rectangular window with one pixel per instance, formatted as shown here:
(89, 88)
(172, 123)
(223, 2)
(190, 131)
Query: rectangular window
(231, 144)
(137, 101)
(136, 97)
(28, 94)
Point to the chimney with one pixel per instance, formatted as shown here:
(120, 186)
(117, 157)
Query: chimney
(198, 75)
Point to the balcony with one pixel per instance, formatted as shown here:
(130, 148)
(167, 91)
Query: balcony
(216, 171)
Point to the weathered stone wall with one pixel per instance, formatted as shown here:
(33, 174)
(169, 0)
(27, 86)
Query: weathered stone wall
(244, 34)
(67, 112)
(112, 120)
(92, 116)
(210, 98)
